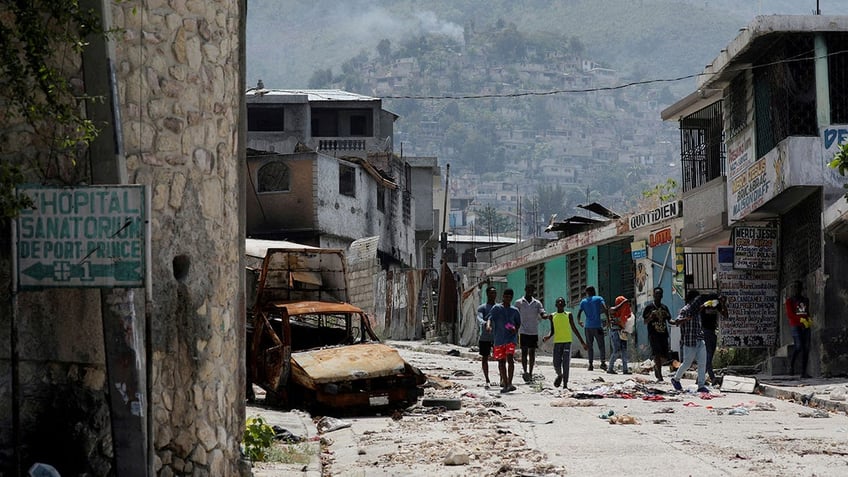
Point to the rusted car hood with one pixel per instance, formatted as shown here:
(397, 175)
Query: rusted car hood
(346, 363)
(313, 307)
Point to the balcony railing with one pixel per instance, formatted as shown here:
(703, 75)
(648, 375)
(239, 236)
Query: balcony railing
(341, 145)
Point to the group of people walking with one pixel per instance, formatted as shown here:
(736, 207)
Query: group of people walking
(508, 324)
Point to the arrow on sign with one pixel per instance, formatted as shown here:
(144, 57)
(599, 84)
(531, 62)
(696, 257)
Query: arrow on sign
(39, 271)
(122, 271)
(65, 271)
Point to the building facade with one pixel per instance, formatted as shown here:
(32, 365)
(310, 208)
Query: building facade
(769, 114)
(321, 171)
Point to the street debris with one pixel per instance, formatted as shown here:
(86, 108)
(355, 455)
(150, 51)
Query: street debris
(738, 384)
(438, 382)
(457, 457)
(330, 424)
(571, 402)
(450, 404)
(839, 393)
(815, 413)
(623, 419)
(285, 435)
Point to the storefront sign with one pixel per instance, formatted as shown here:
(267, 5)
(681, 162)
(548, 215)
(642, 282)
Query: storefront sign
(84, 237)
(666, 211)
(739, 152)
(638, 250)
(752, 186)
(660, 237)
(755, 248)
(752, 304)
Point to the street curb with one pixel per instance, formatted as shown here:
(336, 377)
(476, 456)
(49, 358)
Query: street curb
(815, 402)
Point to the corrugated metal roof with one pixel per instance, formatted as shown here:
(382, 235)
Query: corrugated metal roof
(482, 239)
(315, 94)
(259, 248)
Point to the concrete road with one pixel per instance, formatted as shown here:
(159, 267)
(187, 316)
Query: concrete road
(540, 430)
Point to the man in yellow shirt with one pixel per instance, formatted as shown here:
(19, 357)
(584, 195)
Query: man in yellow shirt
(561, 325)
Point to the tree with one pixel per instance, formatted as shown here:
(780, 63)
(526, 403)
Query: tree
(551, 199)
(490, 222)
(39, 41)
(840, 163)
(660, 193)
(321, 79)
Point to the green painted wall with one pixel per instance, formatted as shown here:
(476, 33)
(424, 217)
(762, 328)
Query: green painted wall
(556, 282)
(516, 280)
(592, 267)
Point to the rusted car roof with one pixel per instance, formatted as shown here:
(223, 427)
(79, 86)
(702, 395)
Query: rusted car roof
(307, 307)
(345, 363)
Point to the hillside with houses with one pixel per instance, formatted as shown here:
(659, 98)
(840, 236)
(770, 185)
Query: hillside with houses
(475, 104)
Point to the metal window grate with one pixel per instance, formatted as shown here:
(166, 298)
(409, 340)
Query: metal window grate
(699, 271)
(785, 91)
(702, 148)
(737, 96)
(536, 277)
(577, 276)
(837, 71)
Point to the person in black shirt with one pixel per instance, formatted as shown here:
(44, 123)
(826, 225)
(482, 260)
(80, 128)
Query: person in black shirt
(656, 316)
(712, 307)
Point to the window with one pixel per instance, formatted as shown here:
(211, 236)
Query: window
(837, 72)
(273, 177)
(535, 276)
(358, 125)
(347, 180)
(325, 123)
(702, 146)
(785, 92)
(381, 199)
(737, 96)
(577, 276)
(265, 117)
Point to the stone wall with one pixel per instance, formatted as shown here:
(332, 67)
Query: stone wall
(178, 70)
(179, 83)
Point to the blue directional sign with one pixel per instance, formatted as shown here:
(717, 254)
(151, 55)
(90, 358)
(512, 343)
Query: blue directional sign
(82, 237)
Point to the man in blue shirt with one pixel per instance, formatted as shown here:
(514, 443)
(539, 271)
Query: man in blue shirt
(504, 321)
(485, 342)
(593, 305)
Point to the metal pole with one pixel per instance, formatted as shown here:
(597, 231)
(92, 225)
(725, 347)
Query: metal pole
(13, 344)
(148, 332)
(446, 210)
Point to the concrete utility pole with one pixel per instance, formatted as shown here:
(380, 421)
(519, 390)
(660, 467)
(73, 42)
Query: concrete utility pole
(125, 360)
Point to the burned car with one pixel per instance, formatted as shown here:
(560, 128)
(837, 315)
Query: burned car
(309, 348)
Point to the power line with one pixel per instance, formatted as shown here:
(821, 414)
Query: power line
(545, 93)
(796, 58)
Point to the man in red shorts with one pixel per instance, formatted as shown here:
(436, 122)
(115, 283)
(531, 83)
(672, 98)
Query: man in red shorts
(504, 321)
